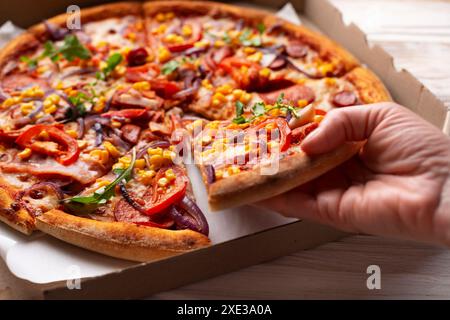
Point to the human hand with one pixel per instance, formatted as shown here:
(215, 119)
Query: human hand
(398, 184)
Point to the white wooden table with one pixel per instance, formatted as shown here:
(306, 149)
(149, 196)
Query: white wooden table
(417, 34)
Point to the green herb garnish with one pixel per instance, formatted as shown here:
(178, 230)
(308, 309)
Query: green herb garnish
(259, 109)
(246, 38)
(70, 49)
(261, 28)
(170, 67)
(111, 63)
(102, 195)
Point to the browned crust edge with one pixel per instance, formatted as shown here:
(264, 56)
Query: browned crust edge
(325, 47)
(120, 240)
(91, 14)
(369, 86)
(294, 170)
(20, 220)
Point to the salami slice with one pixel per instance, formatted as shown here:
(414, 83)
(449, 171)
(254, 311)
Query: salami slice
(344, 98)
(291, 95)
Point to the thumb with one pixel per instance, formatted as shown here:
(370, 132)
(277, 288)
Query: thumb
(344, 125)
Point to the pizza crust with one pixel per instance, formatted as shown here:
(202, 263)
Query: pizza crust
(294, 170)
(21, 220)
(118, 239)
(369, 86)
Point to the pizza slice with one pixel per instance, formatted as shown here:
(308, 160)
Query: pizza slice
(257, 154)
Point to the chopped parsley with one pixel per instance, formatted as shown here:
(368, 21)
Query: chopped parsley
(246, 38)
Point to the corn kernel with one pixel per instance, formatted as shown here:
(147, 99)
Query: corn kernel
(102, 183)
(156, 160)
(102, 65)
(243, 70)
(163, 54)
(219, 43)
(100, 104)
(33, 92)
(125, 50)
(219, 174)
(256, 57)
(41, 69)
(70, 132)
(170, 175)
(169, 15)
(160, 17)
(215, 102)
(249, 50)
(25, 154)
(44, 135)
(302, 103)
(318, 118)
(82, 144)
(160, 29)
(219, 96)
(116, 124)
(101, 156)
(186, 31)
(173, 38)
(265, 72)
(120, 70)
(213, 125)
(330, 81)
(245, 98)
(201, 44)
(168, 155)
(131, 36)
(326, 68)
(11, 101)
(111, 149)
(146, 176)
(207, 84)
(101, 44)
(224, 89)
(237, 93)
(26, 108)
(139, 164)
(51, 109)
(142, 86)
(154, 151)
(125, 161)
(162, 182)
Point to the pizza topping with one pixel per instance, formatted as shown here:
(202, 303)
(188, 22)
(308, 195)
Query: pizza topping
(210, 173)
(41, 197)
(292, 95)
(137, 57)
(55, 32)
(296, 49)
(303, 116)
(125, 113)
(299, 134)
(111, 63)
(187, 215)
(87, 204)
(190, 34)
(56, 143)
(344, 99)
(130, 133)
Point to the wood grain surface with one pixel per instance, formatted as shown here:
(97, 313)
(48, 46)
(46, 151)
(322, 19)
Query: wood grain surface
(417, 34)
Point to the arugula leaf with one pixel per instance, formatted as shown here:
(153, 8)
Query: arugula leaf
(102, 195)
(72, 48)
(170, 67)
(111, 63)
(261, 28)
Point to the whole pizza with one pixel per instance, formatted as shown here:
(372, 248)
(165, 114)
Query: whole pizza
(97, 123)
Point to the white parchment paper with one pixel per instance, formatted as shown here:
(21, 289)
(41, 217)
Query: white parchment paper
(43, 259)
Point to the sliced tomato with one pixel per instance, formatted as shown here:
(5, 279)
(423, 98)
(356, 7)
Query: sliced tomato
(125, 113)
(283, 128)
(69, 147)
(161, 200)
(164, 88)
(300, 133)
(250, 80)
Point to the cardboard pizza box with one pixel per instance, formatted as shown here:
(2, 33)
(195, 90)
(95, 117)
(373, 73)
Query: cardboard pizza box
(134, 280)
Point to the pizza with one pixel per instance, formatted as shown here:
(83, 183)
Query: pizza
(97, 124)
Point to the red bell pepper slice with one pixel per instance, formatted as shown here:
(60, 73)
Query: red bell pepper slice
(162, 200)
(164, 88)
(125, 113)
(70, 151)
(196, 36)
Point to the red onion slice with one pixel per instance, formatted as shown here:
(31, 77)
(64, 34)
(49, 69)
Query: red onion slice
(187, 215)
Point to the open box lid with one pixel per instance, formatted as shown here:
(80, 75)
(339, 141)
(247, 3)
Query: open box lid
(145, 279)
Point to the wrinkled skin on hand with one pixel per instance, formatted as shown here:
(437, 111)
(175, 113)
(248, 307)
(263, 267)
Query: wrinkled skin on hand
(398, 185)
